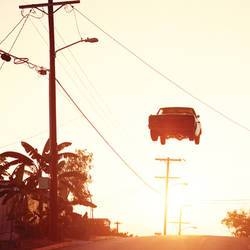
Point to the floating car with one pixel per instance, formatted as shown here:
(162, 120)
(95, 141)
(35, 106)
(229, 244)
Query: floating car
(175, 122)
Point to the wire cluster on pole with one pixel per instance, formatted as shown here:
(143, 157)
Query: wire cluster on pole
(7, 57)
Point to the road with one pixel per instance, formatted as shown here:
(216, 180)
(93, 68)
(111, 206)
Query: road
(166, 243)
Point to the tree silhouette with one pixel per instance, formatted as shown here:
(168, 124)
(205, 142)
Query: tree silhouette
(238, 223)
(73, 179)
(22, 174)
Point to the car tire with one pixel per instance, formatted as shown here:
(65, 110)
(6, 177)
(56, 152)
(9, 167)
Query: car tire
(163, 140)
(153, 135)
(197, 140)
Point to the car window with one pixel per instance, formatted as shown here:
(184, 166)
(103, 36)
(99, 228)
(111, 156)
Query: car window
(176, 110)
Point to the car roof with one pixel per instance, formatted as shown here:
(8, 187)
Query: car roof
(178, 108)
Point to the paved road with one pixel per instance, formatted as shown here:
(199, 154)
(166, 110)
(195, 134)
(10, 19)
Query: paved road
(166, 243)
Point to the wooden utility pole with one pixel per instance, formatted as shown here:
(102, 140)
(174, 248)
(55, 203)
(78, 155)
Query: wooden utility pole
(53, 223)
(117, 223)
(167, 161)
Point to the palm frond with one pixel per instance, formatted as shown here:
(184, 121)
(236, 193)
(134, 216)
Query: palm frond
(3, 170)
(33, 153)
(7, 164)
(46, 148)
(30, 150)
(63, 145)
(18, 174)
(18, 156)
(32, 171)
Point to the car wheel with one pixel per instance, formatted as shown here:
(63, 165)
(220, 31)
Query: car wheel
(153, 135)
(163, 140)
(197, 140)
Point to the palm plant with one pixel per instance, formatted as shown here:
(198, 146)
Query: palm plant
(23, 182)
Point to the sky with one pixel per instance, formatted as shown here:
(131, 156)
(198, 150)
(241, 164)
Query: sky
(150, 54)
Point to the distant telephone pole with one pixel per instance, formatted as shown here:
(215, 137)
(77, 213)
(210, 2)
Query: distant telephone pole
(167, 161)
(117, 223)
(180, 221)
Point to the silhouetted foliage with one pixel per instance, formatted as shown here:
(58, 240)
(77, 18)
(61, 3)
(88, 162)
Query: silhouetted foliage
(21, 175)
(3, 169)
(238, 223)
(73, 178)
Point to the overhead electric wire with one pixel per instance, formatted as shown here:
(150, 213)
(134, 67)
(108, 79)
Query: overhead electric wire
(13, 44)
(93, 96)
(76, 22)
(105, 140)
(163, 75)
(4, 39)
(158, 72)
(25, 60)
(102, 108)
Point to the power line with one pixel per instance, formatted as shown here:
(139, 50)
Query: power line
(94, 94)
(95, 91)
(26, 61)
(76, 22)
(5, 38)
(43, 71)
(26, 19)
(13, 44)
(163, 75)
(105, 140)
(147, 64)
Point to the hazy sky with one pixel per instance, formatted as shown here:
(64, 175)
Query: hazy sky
(203, 47)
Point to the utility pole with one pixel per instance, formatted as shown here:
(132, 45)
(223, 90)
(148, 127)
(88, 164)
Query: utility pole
(117, 223)
(167, 161)
(53, 222)
(180, 222)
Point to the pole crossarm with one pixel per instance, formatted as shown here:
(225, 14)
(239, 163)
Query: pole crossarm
(30, 6)
(117, 223)
(164, 177)
(168, 159)
(49, 5)
(177, 222)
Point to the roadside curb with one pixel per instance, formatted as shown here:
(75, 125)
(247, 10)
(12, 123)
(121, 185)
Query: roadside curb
(69, 243)
(58, 245)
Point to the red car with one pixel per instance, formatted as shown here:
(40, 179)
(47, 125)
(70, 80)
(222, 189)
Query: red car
(175, 122)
